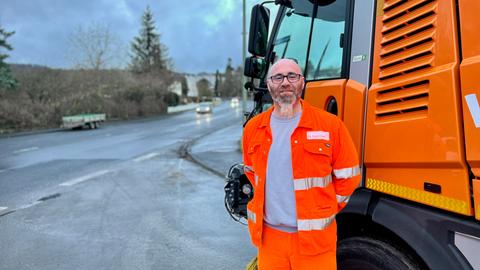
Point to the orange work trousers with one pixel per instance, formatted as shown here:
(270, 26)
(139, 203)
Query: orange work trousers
(279, 251)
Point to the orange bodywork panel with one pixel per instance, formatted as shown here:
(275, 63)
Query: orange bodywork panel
(350, 96)
(414, 147)
(319, 93)
(354, 113)
(470, 81)
(470, 86)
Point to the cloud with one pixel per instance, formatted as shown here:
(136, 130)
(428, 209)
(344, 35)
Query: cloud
(200, 35)
(223, 11)
(122, 9)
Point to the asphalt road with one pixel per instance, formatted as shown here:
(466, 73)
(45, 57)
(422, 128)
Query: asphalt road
(119, 197)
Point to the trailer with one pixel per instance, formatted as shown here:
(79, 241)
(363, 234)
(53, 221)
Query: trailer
(78, 121)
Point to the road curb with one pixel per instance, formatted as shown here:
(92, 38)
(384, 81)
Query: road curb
(5, 211)
(198, 161)
(30, 132)
(185, 151)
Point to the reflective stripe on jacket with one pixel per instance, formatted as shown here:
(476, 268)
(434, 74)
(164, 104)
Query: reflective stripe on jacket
(325, 172)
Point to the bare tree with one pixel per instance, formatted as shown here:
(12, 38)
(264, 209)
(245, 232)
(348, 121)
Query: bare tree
(94, 47)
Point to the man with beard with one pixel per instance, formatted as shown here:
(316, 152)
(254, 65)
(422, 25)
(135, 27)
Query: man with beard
(303, 166)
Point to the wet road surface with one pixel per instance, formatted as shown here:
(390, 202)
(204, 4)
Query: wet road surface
(119, 197)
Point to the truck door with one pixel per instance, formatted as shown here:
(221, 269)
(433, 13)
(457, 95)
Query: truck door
(316, 37)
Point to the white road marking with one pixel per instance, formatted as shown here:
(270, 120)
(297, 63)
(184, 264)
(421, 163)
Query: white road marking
(472, 103)
(84, 178)
(179, 165)
(145, 157)
(29, 205)
(25, 150)
(2, 208)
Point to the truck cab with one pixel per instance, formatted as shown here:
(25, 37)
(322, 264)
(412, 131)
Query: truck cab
(401, 76)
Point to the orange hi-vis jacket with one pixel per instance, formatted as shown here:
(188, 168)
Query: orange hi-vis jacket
(325, 171)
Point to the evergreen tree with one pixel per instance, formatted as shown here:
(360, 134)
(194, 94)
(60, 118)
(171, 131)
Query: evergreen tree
(237, 79)
(6, 78)
(183, 82)
(217, 84)
(229, 85)
(148, 53)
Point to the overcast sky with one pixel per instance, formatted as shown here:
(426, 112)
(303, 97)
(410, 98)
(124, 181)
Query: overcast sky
(200, 35)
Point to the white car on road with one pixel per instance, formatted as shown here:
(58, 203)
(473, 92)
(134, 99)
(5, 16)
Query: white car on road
(204, 107)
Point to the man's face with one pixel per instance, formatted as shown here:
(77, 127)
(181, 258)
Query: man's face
(285, 82)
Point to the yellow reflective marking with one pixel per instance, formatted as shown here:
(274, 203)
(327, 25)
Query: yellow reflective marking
(437, 200)
(252, 265)
(477, 209)
(380, 4)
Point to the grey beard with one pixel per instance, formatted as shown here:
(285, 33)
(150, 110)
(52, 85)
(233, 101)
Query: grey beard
(286, 100)
(286, 106)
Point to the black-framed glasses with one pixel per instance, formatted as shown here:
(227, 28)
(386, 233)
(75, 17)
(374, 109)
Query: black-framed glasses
(291, 77)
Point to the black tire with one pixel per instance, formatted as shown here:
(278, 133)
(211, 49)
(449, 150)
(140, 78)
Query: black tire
(363, 253)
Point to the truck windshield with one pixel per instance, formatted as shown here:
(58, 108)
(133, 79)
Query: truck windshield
(291, 40)
(326, 53)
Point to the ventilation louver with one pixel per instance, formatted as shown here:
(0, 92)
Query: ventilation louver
(407, 47)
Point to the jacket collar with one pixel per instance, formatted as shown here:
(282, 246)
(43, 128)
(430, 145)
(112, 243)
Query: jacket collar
(305, 120)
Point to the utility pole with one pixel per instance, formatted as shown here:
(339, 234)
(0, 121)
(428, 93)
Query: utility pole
(244, 55)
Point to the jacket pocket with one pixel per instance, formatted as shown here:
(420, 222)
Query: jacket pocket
(318, 148)
(323, 211)
(254, 153)
(253, 147)
(317, 158)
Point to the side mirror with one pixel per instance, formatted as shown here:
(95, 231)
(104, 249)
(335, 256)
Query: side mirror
(257, 41)
(255, 67)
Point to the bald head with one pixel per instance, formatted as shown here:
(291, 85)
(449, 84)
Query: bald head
(284, 64)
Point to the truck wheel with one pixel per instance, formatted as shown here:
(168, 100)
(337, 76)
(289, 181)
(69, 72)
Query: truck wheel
(363, 253)
(92, 125)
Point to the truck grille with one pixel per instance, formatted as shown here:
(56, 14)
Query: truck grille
(405, 101)
(407, 48)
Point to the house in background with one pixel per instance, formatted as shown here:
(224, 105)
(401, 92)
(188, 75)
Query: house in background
(192, 79)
